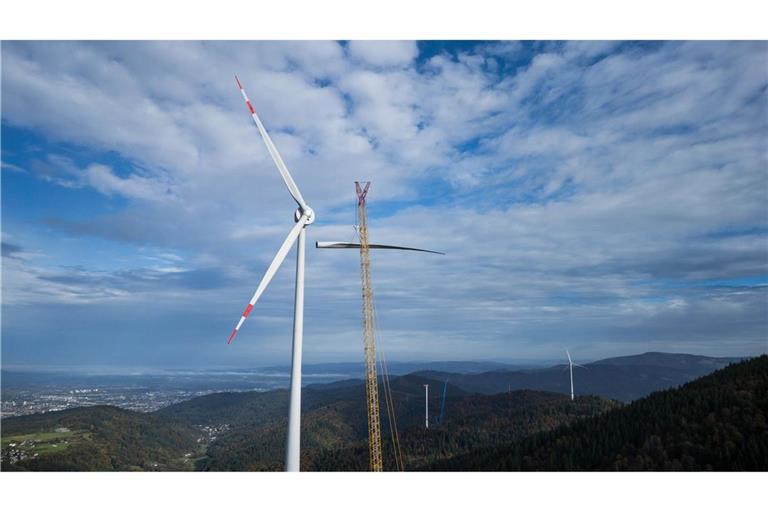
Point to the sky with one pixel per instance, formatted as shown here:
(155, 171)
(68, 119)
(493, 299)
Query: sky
(605, 197)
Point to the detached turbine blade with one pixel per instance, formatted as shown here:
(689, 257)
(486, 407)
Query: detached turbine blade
(292, 188)
(350, 245)
(271, 271)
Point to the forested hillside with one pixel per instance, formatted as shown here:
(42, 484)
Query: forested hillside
(717, 422)
(100, 438)
(333, 417)
(334, 436)
(475, 421)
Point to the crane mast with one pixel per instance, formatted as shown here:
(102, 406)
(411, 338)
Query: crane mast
(369, 341)
(369, 338)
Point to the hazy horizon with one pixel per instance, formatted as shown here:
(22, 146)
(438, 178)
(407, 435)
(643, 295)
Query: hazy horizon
(134, 370)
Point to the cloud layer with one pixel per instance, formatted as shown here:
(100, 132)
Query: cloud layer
(608, 197)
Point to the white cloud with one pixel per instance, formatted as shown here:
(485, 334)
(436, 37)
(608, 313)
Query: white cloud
(105, 181)
(11, 167)
(383, 53)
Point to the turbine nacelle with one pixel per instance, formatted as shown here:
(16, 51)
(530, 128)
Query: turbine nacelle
(306, 211)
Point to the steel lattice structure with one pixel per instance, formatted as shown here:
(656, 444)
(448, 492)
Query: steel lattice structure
(369, 336)
(369, 332)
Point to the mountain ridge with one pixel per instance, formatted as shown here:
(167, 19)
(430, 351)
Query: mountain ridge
(717, 422)
(626, 378)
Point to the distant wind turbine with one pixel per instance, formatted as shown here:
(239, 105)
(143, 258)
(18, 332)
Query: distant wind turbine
(304, 216)
(571, 364)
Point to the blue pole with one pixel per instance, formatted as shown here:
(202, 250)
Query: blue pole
(442, 404)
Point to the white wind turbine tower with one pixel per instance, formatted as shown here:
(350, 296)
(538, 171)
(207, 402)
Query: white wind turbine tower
(303, 217)
(571, 364)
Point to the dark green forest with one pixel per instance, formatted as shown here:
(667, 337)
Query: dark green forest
(475, 421)
(334, 437)
(717, 422)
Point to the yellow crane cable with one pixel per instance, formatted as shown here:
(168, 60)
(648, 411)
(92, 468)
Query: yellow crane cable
(397, 450)
(399, 463)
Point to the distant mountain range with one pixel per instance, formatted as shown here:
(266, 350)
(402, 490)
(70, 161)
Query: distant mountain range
(682, 362)
(402, 368)
(619, 378)
(720, 419)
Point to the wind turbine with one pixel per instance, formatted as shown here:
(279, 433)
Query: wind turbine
(303, 217)
(571, 364)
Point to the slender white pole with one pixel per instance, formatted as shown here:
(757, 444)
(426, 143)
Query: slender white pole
(426, 405)
(292, 449)
(570, 366)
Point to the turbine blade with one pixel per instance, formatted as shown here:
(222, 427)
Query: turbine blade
(351, 245)
(271, 271)
(569, 357)
(292, 188)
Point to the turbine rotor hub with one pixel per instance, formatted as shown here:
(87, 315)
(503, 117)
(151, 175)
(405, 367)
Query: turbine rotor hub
(309, 212)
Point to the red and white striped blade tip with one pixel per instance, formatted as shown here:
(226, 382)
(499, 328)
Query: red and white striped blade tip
(245, 314)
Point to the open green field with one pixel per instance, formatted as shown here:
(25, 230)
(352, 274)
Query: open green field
(44, 442)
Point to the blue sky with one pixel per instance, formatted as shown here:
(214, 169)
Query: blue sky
(601, 196)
